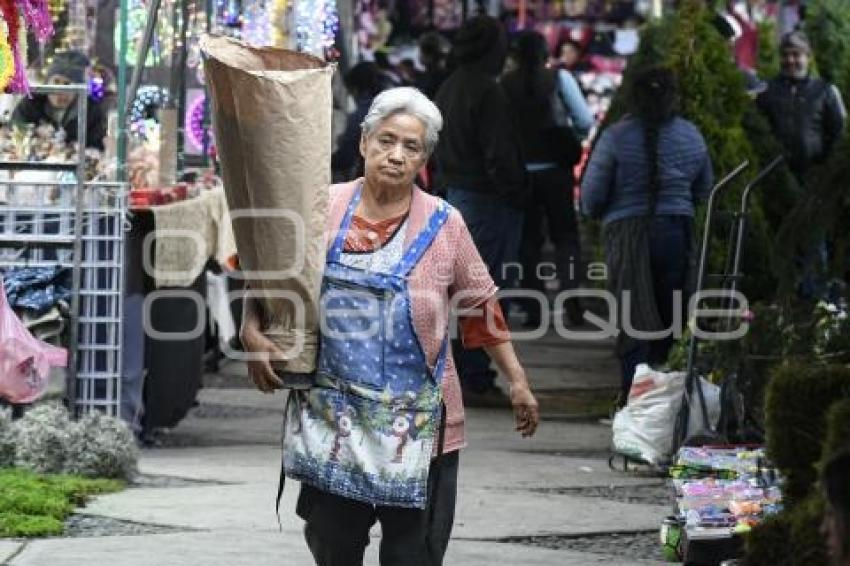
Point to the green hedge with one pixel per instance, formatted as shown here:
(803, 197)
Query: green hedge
(797, 400)
(790, 538)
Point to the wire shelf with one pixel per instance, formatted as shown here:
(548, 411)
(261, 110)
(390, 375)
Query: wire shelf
(79, 227)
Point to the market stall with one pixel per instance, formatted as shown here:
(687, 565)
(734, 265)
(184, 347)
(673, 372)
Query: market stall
(144, 77)
(721, 494)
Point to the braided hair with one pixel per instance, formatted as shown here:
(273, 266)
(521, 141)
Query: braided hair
(655, 101)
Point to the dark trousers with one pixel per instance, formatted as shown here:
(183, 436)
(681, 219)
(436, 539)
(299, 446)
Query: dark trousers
(669, 252)
(551, 204)
(496, 229)
(337, 528)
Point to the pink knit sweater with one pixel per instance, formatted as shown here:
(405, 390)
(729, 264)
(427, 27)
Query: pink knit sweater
(450, 273)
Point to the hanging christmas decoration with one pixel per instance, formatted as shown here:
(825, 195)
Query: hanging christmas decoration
(37, 16)
(316, 25)
(280, 37)
(57, 9)
(7, 63)
(18, 15)
(19, 83)
(143, 113)
(257, 23)
(194, 126)
(97, 91)
(163, 38)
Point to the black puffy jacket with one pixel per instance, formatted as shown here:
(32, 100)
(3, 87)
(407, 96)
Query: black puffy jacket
(806, 115)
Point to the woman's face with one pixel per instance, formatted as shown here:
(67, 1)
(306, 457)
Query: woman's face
(569, 55)
(395, 151)
(63, 100)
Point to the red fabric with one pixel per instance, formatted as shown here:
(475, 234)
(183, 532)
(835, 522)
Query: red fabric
(487, 329)
(368, 236)
(747, 46)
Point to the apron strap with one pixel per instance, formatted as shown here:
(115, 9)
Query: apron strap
(336, 249)
(423, 240)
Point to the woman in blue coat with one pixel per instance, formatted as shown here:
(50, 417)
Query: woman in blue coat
(644, 179)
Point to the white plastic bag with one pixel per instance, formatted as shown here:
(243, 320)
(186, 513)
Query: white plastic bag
(644, 428)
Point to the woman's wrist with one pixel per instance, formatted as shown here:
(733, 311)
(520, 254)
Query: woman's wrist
(517, 379)
(250, 315)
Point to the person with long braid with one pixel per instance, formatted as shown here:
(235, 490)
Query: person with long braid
(644, 179)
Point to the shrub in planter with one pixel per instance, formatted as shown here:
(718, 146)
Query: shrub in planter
(7, 439)
(42, 439)
(767, 544)
(100, 446)
(94, 446)
(796, 404)
(791, 538)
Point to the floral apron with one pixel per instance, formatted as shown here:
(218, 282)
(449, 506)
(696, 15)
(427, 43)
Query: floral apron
(366, 429)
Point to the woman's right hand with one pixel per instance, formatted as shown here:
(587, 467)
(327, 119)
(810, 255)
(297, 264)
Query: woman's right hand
(260, 351)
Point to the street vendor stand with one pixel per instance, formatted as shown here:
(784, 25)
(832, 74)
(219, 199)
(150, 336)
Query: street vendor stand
(67, 222)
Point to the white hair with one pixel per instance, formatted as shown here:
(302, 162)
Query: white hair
(405, 100)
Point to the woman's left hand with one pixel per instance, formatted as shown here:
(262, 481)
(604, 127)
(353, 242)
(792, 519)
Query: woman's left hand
(526, 410)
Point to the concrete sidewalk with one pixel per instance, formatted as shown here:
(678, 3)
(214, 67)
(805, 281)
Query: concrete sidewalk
(219, 472)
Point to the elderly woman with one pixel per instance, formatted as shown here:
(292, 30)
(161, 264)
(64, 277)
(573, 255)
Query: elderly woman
(378, 436)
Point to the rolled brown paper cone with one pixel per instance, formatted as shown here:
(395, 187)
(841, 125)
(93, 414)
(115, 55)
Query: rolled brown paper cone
(271, 111)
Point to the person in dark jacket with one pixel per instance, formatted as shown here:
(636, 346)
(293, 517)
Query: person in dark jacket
(807, 116)
(479, 165)
(364, 82)
(60, 110)
(550, 152)
(644, 178)
(432, 56)
(805, 113)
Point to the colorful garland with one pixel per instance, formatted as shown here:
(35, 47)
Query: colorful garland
(18, 16)
(37, 17)
(7, 63)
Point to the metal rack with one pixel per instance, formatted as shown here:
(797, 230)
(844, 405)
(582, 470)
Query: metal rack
(80, 226)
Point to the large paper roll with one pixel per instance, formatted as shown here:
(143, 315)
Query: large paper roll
(271, 111)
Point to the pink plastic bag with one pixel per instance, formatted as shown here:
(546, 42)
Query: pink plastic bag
(24, 361)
